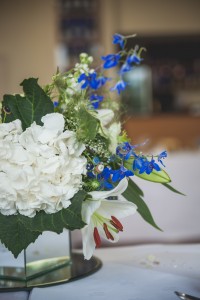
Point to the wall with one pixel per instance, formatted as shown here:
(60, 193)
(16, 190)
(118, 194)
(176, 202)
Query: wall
(149, 17)
(157, 16)
(28, 31)
(27, 42)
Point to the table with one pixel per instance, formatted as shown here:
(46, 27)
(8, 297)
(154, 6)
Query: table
(131, 273)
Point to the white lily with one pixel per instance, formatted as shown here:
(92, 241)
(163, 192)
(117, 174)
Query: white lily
(101, 217)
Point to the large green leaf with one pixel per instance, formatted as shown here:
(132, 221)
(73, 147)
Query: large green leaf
(155, 176)
(136, 188)
(88, 125)
(14, 235)
(69, 218)
(28, 108)
(17, 231)
(132, 195)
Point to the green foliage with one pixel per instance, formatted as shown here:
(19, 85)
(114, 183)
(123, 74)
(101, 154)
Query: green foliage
(133, 194)
(69, 218)
(88, 125)
(17, 232)
(155, 176)
(172, 189)
(14, 235)
(28, 108)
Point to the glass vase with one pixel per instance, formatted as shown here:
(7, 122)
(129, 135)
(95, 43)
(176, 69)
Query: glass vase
(47, 261)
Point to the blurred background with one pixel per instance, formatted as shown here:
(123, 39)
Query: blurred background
(162, 100)
(163, 94)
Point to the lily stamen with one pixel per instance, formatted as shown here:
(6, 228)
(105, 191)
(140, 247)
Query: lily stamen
(116, 223)
(107, 232)
(97, 238)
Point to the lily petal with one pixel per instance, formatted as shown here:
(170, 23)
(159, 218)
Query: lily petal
(119, 209)
(89, 206)
(88, 240)
(118, 190)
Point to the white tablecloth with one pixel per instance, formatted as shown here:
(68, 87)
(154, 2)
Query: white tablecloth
(148, 272)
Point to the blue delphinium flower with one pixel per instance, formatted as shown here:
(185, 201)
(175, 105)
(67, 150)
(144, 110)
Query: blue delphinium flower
(125, 68)
(111, 60)
(89, 80)
(102, 80)
(161, 156)
(121, 173)
(119, 86)
(149, 166)
(138, 162)
(124, 150)
(103, 178)
(95, 100)
(118, 39)
(133, 58)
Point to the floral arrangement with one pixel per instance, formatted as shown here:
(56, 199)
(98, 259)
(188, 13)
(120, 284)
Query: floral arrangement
(65, 161)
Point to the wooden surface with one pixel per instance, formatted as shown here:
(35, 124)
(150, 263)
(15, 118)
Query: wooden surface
(169, 131)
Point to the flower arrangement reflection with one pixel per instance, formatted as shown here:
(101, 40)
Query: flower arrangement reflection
(64, 157)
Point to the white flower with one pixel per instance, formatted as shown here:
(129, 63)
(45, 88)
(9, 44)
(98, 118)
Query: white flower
(113, 133)
(8, 195)
(105, 116)
(73, 87)
(9, 130)
(101, 217)
(110, 131)
(40, 168)
(53, 126)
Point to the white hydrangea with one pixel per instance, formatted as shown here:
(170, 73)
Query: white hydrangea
(40, 168)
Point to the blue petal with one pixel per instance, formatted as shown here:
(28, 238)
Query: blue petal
(108, 185)
(120, 86)
(55, 103)
(118, 39)
(156, 167)
(125, 68)
(134, 59)
(84, 85)
(129, 173)
(111, 60)
(116, 176)
(81, 77)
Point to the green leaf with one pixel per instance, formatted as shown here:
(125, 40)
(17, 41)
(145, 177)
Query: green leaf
(28, 108)
(18, 231)
(172, 189)
(88, 125)
(69, 218)
(14, 235)
(132, 195)
(155, 176)
(137, 188)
